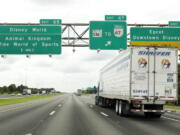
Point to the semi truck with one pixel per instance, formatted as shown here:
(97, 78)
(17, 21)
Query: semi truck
(26, 92)
(43, 92)
(139, 79)
(79, 92)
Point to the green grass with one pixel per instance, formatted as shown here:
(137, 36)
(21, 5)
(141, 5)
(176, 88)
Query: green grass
(85, 94)
(172, 107)
(5, 94)
(25, 99)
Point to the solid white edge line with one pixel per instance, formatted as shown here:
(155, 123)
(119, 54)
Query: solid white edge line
(171, 119)
(104, 114)
(52, 112)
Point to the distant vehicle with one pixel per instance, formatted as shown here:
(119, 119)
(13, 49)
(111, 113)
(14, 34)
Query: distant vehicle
(26, 92)
(19, 94)
(140, 79)
(43, 92)
(79, 92)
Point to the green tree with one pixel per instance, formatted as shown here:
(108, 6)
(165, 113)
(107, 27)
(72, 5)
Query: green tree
(20, 88)
(11, 88)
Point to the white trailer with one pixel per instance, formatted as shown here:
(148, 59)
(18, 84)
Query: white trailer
(27, 92)
(43, 92)
(79, 92)
(140, 79)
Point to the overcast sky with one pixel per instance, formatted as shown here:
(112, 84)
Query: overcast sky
(70, 71)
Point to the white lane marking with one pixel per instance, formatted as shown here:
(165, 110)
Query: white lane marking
(52, 112)
(91, 106)
(104, 114)
(59, 105)
(170, 119)
(28, 134)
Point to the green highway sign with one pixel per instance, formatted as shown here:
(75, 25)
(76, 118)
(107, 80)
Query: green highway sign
(115, 17)
(30, 39)
(174, 23)
(153, 36)
(50, 21)
(29, 29)
(108, 35)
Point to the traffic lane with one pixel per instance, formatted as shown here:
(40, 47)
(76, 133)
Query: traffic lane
(173, 115)
(12, 110)
(137, 123)
(76, 118)
(20, 121)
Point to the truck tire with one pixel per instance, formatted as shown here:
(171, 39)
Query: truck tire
(96, 100)
(117, 107)
(148, 114)
(121, 108)
(157, 115)
(125, 109)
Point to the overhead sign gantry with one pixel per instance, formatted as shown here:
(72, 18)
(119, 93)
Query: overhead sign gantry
(49, 35)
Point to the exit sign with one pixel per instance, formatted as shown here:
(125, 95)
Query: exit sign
(50, 21)
(174, 23)
(115, 17)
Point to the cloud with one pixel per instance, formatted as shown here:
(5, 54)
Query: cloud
(100, 57)
(74, 69)
(51, 2)
(43, 64)
(4, 68)
(9, 59)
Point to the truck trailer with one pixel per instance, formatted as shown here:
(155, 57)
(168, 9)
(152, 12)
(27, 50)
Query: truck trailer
(26, 92)
(140, 79)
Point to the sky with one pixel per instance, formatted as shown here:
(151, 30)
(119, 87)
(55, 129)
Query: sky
(70, 71)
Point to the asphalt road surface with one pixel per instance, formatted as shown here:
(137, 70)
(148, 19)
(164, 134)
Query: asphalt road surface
(77, 115)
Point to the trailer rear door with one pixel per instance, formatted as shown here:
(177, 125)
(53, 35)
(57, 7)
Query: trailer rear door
(154, 73)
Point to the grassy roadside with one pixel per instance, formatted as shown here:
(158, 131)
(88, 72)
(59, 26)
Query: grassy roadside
(85, 94)
(5, 95)
(172, 107)
(25, 99)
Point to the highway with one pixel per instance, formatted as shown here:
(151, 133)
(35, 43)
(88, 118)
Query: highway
(69, 114)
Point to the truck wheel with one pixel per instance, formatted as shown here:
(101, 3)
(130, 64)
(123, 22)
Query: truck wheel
(157, 115)
(125, 109)
(96, 101)
(148, 114)
(117, 107)
(120, 108)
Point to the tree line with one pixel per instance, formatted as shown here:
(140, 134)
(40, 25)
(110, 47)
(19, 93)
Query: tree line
(12, 88)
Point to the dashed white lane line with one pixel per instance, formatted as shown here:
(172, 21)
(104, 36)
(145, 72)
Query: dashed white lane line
(28, 134)
(52, 112)
(104, 114)
(170, 119)
(59, 105)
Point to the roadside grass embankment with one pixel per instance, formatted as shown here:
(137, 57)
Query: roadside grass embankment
(24, 99)
(175, 107)
(5, 95)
